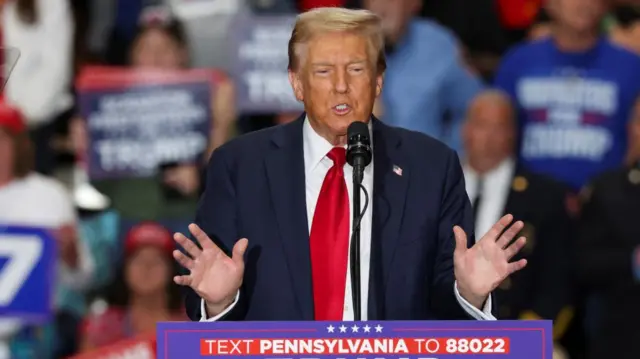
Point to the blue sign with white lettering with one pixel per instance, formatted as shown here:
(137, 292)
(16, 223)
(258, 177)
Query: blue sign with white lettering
(27, 273)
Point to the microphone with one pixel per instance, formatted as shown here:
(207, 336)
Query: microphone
(358, 149)
(358, 156)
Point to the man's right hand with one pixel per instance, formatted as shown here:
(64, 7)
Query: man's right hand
(213, 275)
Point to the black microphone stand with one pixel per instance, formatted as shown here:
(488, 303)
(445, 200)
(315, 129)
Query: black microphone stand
(358, 156)
(355, 249)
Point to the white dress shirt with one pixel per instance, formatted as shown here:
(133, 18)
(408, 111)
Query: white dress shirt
(317, 164)
(496, 185)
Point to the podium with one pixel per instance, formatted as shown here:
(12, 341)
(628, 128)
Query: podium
(356, 340)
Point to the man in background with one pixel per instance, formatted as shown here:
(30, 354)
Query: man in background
(427, 85)
(573, 92)
(609, 255)
(496, 185)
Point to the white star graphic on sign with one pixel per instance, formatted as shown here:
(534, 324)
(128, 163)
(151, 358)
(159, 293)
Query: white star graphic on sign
(366, 328)
(378, 328)
(343, 329)
(354, 329)
(330, 328)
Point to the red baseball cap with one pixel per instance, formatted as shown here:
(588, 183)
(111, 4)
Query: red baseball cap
(11, 119)
(149, 234)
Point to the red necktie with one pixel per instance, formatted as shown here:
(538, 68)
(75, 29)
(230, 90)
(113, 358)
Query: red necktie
(330, 241)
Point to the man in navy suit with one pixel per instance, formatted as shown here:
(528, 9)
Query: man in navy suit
(285, 192)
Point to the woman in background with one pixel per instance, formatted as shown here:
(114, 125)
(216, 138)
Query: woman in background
(142, 295)
(40, 83)
(33, 200)
(171, 197)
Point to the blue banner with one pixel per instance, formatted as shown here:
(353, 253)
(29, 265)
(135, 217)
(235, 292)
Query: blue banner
(356, 340)
(144, 120)
(27, 273)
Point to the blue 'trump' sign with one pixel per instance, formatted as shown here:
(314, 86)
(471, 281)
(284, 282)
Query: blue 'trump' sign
(138, 120)
(27, 273)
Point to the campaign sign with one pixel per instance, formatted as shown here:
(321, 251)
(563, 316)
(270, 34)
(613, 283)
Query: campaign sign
(27, 273)
(138, 120)
(260, 61)
(356, 340)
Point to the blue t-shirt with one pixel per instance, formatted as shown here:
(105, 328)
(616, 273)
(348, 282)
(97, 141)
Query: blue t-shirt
(426, 86)
(573, 108)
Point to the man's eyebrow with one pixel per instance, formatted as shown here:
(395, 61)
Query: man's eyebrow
(321, 64)
(324, 63)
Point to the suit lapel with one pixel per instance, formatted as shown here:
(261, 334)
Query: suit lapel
(390, 182)
(286, 176)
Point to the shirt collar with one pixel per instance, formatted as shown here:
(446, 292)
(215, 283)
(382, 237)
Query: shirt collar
(316, 147)
(505, 167)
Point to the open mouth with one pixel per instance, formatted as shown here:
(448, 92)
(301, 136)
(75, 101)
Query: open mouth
(341, 109)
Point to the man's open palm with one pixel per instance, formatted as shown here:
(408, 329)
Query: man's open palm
(213, 275)
(480, 269)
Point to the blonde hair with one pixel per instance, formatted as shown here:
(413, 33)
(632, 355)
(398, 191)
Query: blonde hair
(332, 19)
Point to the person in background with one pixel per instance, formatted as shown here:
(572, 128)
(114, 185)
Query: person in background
(487, 28)
(427, 87)
(30, 199)
(172, 197)
(626, 30)
(496, 185)
(142, 295)
(609, 254)
(40, 85)
(573, 93)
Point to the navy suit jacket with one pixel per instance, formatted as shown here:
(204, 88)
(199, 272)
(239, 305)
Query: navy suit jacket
(255, 189)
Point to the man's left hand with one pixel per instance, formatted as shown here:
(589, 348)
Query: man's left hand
(480, 269)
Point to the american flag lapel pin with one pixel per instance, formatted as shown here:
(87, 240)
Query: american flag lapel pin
(397, 170)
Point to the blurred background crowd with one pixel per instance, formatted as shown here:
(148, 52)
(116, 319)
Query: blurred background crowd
(539, 98)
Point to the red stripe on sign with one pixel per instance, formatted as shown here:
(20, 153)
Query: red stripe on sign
(104, 78)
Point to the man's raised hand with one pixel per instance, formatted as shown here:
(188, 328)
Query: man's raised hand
(213, 275)
(480, 269)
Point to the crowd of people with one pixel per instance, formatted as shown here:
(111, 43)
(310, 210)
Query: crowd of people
(540, 99)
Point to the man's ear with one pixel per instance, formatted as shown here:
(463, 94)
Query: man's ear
(296, 85)
(379, 83)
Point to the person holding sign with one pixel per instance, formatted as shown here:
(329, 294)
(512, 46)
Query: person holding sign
(170, 193)
(287, 191)
(32, 200)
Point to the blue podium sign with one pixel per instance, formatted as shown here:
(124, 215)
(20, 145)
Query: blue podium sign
(27, 273)
(356, 340)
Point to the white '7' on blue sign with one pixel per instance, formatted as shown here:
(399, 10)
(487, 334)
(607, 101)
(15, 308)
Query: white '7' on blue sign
(28, 274)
